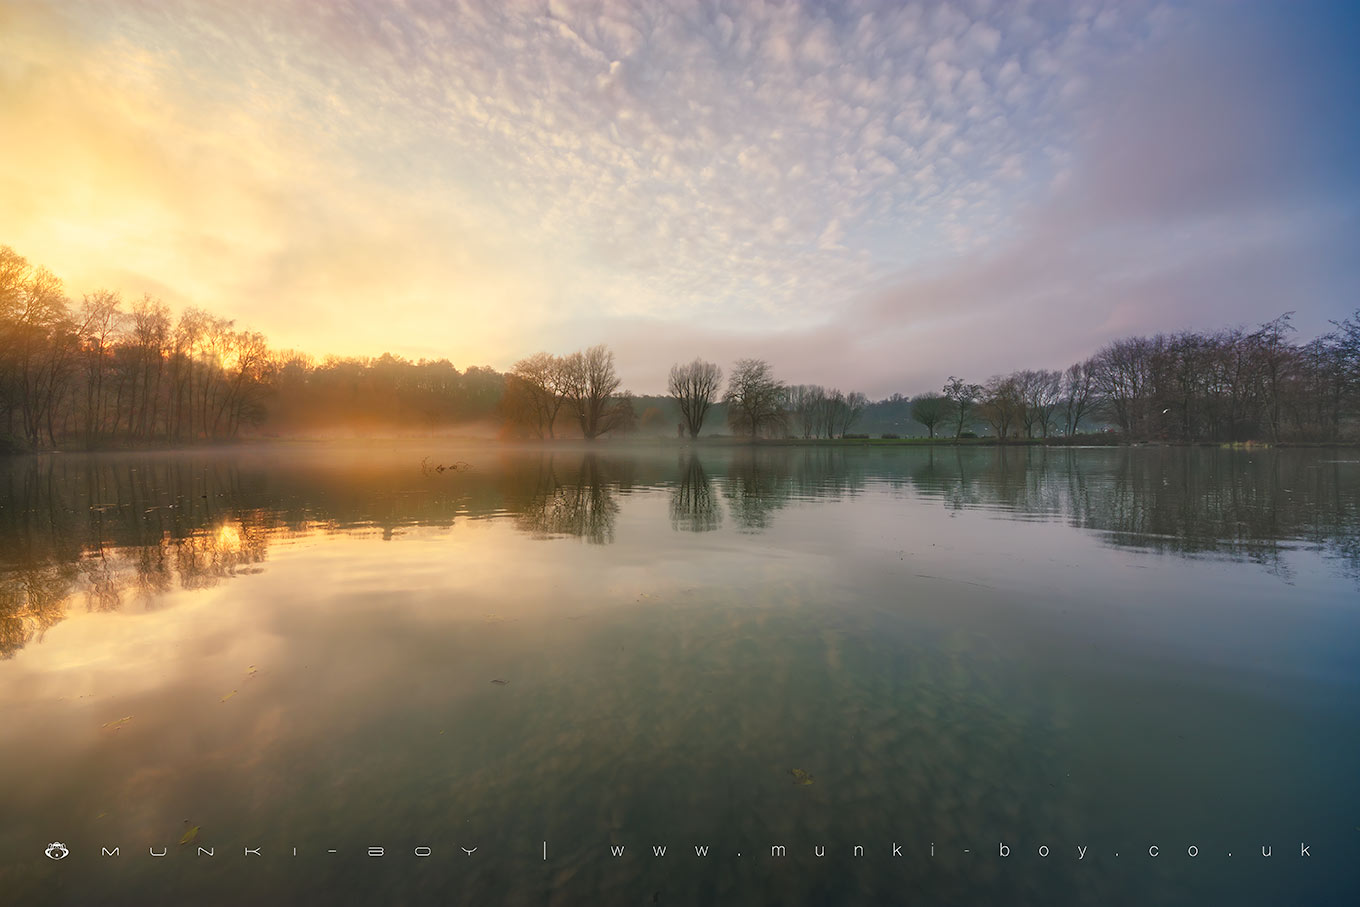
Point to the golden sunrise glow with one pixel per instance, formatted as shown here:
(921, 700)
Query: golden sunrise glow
(877, 202)
(130, 176)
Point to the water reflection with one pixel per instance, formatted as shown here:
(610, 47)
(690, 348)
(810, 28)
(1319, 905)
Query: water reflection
(1243, 505)
(574, 498)
(111, 532)
(958, 645)
(694, 503)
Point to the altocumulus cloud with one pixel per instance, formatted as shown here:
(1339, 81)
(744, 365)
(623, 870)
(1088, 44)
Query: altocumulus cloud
(870, 194)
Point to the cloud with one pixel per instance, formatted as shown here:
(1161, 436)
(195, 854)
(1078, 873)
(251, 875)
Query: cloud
(1212, 183)
(476, 180)
(133, 178)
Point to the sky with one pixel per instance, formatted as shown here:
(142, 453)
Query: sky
(870, 195)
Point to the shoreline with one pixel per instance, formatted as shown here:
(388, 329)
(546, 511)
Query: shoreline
(712, 442)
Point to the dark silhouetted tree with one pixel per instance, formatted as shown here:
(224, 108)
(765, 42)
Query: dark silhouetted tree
(755, 399)
(931, 410)
(695, 387)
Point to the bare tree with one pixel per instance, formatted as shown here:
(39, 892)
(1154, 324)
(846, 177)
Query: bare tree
(83, 373)
(807, 405)
(755, 398)
(1277, 359)
(41, 343)
(931, 410)
(1078, 394)
(590, 385)
(848, 410)
(829, 406)
(1122, 374)
(98, 322)
(187, 337)
(822, 413)
(964, 397)
(1003, 404)
(150, 339)
(695, 388)
(1041, 392)
(219, 338)
(247, 384)
(623, 414)
(543, 376)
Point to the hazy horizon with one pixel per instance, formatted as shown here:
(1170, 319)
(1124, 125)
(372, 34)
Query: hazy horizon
(872, 196)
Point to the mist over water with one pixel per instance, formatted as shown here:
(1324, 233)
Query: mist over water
(344, 645)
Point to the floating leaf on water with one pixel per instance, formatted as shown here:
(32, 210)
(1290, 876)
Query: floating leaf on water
(500, 682)
(250, 671)
(800, 776)
(117, 724)
(229, 695)
(189, 835)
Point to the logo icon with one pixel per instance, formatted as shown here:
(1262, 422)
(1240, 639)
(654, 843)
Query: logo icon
(56, 851)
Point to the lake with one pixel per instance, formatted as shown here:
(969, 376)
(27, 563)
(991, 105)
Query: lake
(548, 654)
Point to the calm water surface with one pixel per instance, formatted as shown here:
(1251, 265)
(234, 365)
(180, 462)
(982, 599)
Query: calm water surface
(338, 647)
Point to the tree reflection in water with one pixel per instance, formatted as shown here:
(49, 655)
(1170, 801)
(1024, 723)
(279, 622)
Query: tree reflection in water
(107, 531)
(694, 504)
(575, 499)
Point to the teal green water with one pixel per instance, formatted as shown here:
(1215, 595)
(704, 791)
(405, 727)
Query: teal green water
(341, 647)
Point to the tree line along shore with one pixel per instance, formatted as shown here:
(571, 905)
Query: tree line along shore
(104, 372)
